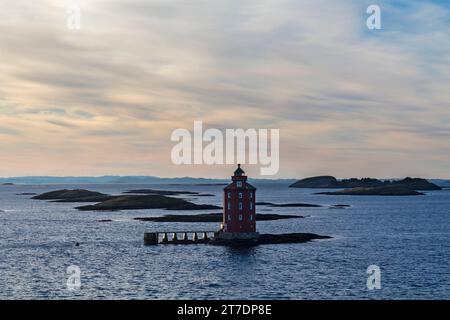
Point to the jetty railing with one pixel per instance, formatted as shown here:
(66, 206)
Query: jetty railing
(171, 237)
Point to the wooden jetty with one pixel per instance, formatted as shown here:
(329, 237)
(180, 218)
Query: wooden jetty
(178, 237)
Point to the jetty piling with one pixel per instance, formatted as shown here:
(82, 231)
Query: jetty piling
(153, 238)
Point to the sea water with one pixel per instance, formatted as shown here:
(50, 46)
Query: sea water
(407, 237)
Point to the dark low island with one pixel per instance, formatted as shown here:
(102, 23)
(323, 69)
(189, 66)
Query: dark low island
(212, 217)
(288, 205)
(376, 191)
(152, 238)
(122, 202)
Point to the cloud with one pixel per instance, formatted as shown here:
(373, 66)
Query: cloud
(139, 69)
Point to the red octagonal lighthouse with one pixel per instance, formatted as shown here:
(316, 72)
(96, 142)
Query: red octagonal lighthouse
(239, 213)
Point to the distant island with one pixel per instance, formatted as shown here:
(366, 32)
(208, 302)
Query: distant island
(370, 184)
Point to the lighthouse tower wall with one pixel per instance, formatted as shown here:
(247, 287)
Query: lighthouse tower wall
(239, 210)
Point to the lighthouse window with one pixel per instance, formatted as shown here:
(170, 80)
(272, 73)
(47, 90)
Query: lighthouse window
(229, 205)
(251, 206)
(251, 218)
(240, 195)
(239, 184)
(229, 217)
(240, 205)
(251, 195)
(229, 195)
(240, 217)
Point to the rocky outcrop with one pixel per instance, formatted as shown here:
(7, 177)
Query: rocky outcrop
(287, 205)
(122, 202)
(264, 239)
(321, 182)
(78, 195)
(161, 192)
(329, 182)
(212, 217)
(339, 206)
(416, 184)
(377, 191)
(138, 202)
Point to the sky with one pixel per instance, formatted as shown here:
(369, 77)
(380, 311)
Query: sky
(348, 101)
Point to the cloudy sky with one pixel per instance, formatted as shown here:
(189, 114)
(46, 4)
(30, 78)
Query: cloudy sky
(105, 99)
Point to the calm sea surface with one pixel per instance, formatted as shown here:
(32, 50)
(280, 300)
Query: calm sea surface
(407, 237)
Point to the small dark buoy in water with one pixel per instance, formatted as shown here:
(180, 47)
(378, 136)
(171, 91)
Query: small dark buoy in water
(77, 244)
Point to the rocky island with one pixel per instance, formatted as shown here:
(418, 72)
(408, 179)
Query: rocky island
(121, 202)
(375, 191)
(368, 186)
(77, 195)
(288, 205)
(282, 238)
(138, 202)
(330, 182)
(161, 192)
(263, 239)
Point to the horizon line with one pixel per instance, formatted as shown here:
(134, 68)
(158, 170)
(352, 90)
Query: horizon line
(205, 178)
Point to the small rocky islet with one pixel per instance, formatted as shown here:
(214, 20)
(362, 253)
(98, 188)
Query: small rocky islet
(77, 195)
(375, 191)
(160, 192)
(263, 239)
(168, 192)
(212, 217)
(288, 205)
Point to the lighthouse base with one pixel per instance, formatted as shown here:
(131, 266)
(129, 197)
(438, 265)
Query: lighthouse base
(236, 235)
